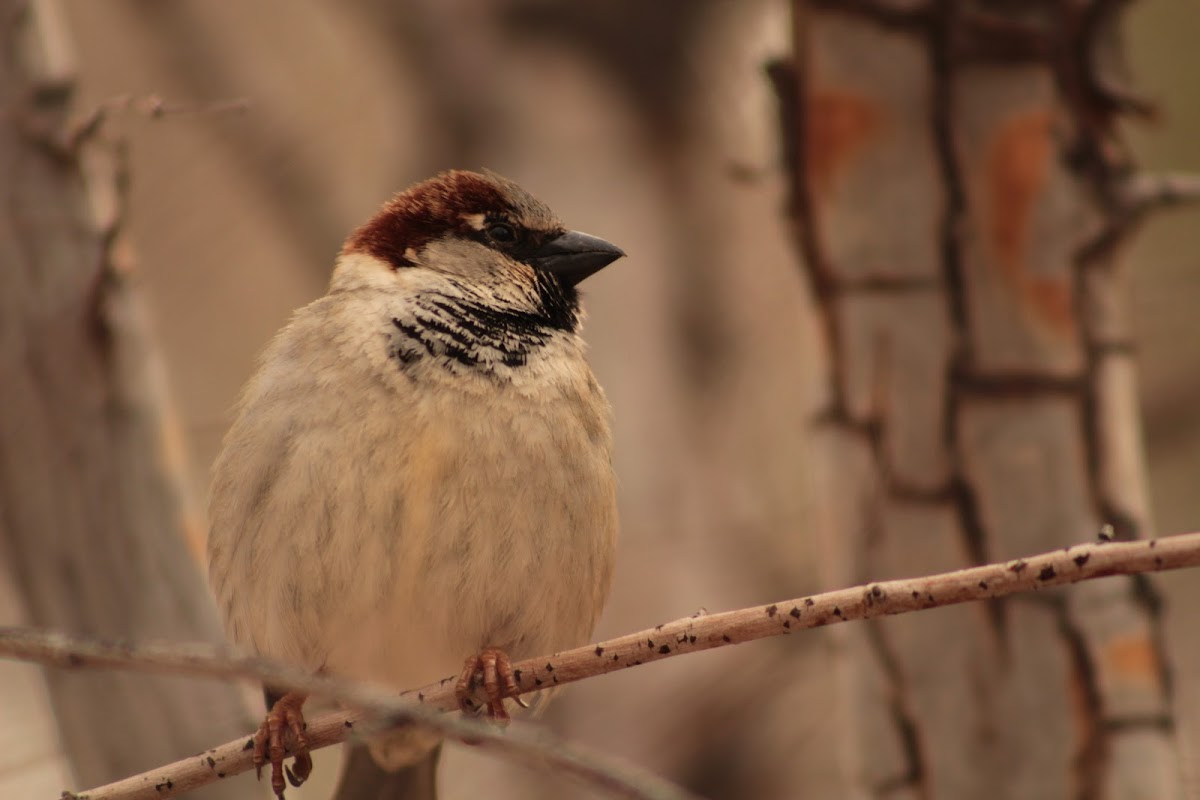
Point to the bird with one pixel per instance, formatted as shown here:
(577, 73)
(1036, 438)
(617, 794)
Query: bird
(418, 481)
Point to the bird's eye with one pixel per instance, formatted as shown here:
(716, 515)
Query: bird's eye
(502, 233)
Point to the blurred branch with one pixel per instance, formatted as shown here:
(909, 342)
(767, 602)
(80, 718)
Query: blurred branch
(376, 709)
(699, 632)
(268, 149)
(1142, 193)
(150, 106)
(155, 107)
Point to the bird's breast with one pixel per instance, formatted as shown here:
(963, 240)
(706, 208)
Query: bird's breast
(496, 528)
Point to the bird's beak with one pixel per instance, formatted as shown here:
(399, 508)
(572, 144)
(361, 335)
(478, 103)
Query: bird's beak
(573, 256)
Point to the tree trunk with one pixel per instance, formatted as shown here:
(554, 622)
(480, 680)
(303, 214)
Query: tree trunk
(958, 203)
(91, 517)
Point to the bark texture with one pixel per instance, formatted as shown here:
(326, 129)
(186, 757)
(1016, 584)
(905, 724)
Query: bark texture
(91, 518)
(957, 197)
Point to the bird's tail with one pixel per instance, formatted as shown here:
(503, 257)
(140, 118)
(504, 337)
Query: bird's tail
(363, 779)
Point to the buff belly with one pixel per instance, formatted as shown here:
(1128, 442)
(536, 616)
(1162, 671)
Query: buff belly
(454, 529)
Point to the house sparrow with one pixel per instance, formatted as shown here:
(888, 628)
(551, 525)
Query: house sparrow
(420, 471)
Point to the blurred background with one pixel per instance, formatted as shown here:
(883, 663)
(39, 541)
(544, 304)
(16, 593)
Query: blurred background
(653, 125)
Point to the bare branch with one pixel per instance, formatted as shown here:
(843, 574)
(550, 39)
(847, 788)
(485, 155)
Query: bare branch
(705, 632)
(695, 633)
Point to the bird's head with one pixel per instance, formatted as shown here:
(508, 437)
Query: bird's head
(468, 272)
(479, 234)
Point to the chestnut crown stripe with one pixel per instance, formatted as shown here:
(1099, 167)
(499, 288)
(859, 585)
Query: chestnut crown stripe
(444, 205)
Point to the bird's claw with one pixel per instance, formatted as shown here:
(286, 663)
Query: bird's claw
(271, 744)
(499, 682)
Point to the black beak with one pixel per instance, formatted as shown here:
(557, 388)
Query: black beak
(573, 256)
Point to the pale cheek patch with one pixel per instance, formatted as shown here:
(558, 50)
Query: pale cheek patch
(463, 257)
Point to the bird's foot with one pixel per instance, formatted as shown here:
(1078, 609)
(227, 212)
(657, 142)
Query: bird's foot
(272, 742)
(499, 682)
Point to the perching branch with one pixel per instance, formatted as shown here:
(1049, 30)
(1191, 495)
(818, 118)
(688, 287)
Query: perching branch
(695, 633)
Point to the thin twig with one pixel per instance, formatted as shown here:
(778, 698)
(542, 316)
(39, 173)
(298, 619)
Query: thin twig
(153, 106)
(1142, 193)
(699, 632)
(149, 106)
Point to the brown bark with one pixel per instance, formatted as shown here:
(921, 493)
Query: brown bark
(956, 191)
(91, 518)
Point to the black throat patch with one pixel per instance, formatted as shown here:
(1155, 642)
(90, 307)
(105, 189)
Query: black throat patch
(458, 332)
